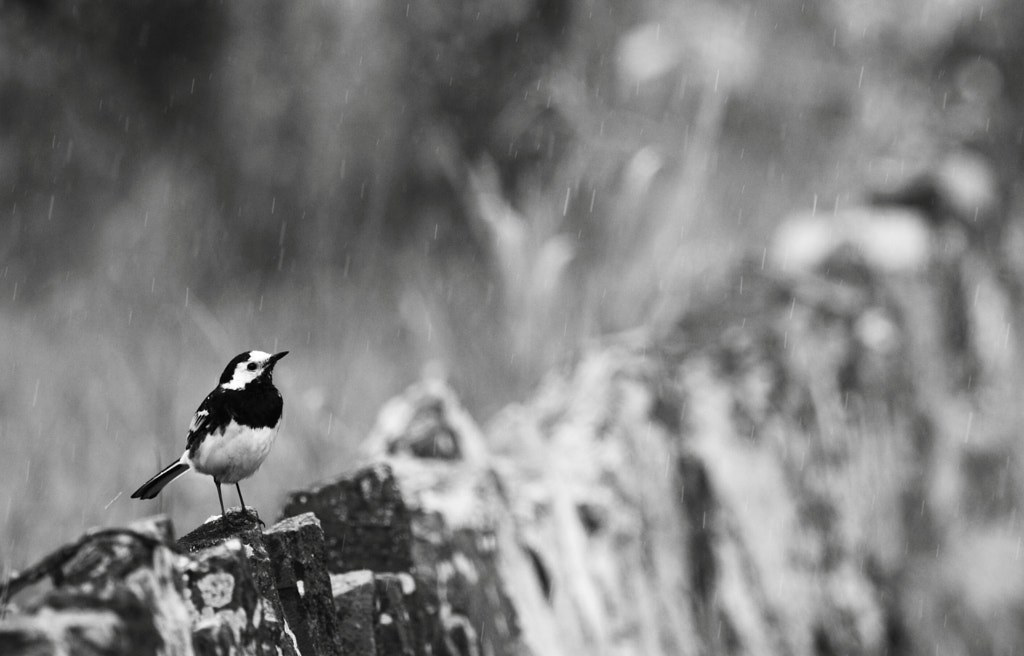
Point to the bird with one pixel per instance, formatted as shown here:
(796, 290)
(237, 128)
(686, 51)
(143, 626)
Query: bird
(232, 430)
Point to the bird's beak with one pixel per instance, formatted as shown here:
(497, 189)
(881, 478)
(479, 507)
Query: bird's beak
(274, 358)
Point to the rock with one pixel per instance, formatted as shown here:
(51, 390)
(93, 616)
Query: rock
(364, 520)
(115, 591)
(457, 513)
(356, 603)
(297, 558)
(401, 625)
(245, 528)
(227, 610)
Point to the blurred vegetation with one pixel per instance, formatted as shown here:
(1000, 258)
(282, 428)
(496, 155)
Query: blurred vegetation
(476, 187)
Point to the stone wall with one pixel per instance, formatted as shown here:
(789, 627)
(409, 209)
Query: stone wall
(770, 474)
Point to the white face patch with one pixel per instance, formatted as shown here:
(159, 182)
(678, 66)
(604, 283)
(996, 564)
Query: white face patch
(247, 370)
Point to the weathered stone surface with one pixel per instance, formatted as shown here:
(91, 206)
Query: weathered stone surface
(115, 591)
(457, 513)
(364, 520)
(356, 602)
(699, 493)
(227, 611)
(402, 626)
(246, 528)
(428, 422)
(297, 559)
(216, 530)
(110, 631)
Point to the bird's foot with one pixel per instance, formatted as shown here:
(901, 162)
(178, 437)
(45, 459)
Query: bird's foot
(251, 512)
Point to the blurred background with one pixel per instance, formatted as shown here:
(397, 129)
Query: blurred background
(471, 188)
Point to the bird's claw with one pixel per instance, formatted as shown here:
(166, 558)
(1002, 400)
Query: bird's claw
(255, 515)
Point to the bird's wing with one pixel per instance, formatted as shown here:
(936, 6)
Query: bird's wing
(204, 421)
(199, 421)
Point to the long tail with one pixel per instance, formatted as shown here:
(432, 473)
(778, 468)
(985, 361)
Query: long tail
(152, 487)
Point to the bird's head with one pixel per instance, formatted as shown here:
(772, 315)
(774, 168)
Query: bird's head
(247, 367)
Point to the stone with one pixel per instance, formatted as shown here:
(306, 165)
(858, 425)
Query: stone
(115, 591)
(401, 623)
(364, 520)
(227, 610)
(297, 557)
(355, 602)
(246, 528)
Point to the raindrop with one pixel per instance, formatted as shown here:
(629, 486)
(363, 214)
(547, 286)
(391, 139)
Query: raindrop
(111, 502)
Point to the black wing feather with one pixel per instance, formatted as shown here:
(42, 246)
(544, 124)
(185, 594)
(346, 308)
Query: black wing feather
(258, 405)
(210, 417)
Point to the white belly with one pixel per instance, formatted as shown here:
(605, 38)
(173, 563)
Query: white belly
(234, 454)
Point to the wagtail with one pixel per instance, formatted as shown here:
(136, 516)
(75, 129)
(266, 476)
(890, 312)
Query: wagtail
(233, 429)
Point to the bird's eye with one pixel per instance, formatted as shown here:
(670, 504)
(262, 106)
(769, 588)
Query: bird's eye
(251, 366)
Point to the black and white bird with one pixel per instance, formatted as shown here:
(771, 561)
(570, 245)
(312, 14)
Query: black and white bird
(233, 429)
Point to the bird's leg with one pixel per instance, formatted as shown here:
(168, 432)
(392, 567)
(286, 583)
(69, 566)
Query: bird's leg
(240, 499)
(245, 510)
(223, 514)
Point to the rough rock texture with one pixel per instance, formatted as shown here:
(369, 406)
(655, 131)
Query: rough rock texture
(449, 597)
(115, 591)
(246, 529)
(226, 608)
(364, 519)
(457, 512)
(299, 566)
(356, 603)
